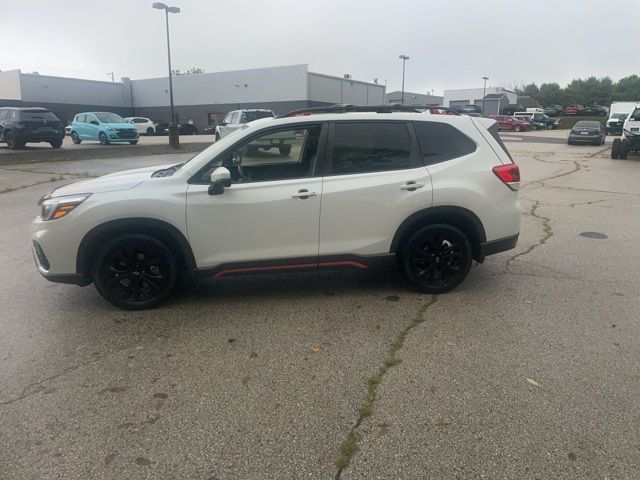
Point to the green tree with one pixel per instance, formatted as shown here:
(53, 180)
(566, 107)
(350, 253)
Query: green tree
(191, 71)
(627, 88)
(551, 94)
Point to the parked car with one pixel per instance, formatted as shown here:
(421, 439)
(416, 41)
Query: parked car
(67, 130)
(573, 110)
(539, 120)
(595, 111)
(447, 183)
(506, 122)
(183, 129)
(238, 119)
(105, 127)
(554, 111)
(209, 130)
(630, 142)
(587, 131)
(615, 123)
(143, 125)
(22, 125)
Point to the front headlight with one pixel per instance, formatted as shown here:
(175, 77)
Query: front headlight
(109, 127)
(54, 208)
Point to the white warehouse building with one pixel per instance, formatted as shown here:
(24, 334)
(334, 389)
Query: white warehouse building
(201, 99)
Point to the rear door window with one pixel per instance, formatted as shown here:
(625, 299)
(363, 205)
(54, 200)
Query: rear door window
(440, 141)
(362, 147)
(37, 116)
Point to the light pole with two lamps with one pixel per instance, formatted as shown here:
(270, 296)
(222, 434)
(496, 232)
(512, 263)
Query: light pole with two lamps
(174, 139)
(404, 59)
(484, 89)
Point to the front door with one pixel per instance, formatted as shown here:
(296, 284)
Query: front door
(271, 210)
(90, 130)
(375, 179)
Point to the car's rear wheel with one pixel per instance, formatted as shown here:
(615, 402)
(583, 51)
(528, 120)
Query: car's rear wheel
(57, 143)
(550, 126)
(102, 137)
(437, 258)
(135, 272)
(150, 131)
(75, 138)
(615, 148)
(285, 150)
(133, 142)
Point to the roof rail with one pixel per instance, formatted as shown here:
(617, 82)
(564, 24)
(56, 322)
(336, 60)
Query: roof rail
(344, 108)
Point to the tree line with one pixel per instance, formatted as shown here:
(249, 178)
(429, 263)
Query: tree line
(598, 91)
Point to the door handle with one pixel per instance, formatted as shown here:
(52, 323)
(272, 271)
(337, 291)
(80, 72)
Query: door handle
(412, 186)
(303, 194)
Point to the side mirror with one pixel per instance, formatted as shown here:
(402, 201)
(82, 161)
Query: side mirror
(220, 178)
(222, 124)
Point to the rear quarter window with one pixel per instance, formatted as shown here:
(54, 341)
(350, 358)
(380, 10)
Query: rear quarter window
(440, 142)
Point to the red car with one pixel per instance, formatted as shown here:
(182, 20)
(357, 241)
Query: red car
(505, 122)
(573, 110)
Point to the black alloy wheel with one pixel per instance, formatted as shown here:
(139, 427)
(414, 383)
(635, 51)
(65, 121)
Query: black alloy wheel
(11, 140)
(437, 258)
(135, 272)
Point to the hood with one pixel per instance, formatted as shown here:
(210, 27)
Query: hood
(119, 125)
(113, 182)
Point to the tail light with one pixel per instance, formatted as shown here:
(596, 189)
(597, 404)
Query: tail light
(508, 174)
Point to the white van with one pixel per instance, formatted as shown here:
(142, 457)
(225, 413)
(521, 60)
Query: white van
(618, 113)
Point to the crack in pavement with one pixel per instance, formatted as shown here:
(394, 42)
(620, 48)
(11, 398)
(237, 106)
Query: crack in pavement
(31, 388)
(350, 445)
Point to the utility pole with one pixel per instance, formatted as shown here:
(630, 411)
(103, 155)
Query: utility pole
(484, 90)
(404, 59)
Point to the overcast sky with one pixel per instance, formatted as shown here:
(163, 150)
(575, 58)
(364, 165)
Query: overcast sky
(452, 43)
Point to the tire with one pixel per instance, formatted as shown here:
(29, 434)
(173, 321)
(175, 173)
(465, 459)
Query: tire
(615, 148)
(150, 131)
(625, 148)
(75, 138)
(550, 127)
(133, 142)
(285, 150)
(517, 128)
(10, 140)
(57, 143)
(135, 272)
(217, 136)
(569, 142)
(102, 137)
(437, 258)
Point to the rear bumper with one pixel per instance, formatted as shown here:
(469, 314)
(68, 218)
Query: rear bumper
(500, 245)
(584, 138)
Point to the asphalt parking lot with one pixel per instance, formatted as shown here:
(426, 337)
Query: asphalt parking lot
(527, 370)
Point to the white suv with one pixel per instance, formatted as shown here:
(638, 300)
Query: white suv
(356, 189)
(238, 119)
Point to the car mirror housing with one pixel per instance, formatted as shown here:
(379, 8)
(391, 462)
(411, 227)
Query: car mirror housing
(220, 178)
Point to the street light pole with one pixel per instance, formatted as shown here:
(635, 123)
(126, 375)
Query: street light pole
(484, 90)
(174, 139)
(404, 59)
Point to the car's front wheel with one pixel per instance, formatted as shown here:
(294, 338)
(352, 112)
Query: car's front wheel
(135, 271)
(75, 138)
(57, 143)
(102, 137)
(133, 142)
(150, 131)
(10, 138)
(517, 128)
(437, 258)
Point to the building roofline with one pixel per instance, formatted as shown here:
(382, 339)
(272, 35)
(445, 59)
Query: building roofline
(346, 79)
(69, 78)
(232, 71)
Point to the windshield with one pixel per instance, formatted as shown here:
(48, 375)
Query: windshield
(620, 116)
(635, 115)
(106, 117)
(251, 116)
(38, 115)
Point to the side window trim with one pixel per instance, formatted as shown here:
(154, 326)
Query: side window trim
(320, 155)
(416, 159)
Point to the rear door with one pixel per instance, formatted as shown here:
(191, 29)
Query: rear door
(375, 179)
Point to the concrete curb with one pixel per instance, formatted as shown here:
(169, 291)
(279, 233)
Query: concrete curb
(22, 157)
